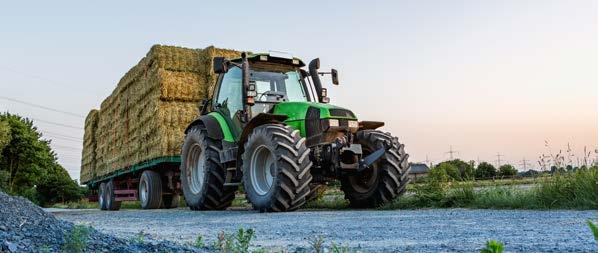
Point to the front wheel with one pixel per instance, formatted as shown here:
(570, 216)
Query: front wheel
(276, 168)
(385, 180)
(202, 175)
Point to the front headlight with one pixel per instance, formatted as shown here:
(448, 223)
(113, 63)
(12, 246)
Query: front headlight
(353, 124)
(333, 122)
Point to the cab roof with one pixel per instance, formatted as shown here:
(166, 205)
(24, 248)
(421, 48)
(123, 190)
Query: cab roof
(267, 57)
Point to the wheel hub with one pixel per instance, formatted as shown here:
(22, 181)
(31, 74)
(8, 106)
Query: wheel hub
(262, 170)
(195, 168)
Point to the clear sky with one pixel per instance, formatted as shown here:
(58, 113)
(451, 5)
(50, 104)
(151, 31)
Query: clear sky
(482, 76)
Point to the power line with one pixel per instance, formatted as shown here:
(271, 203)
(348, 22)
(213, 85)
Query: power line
(61, 135)
(57, 124)
(65, 147)
(42, 107)
(46, 80)
(62, 138)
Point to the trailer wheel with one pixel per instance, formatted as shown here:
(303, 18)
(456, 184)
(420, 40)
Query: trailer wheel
(202, 175)
(102, 196)
(150, 190)
(385, 180)
(111, 203)
(170, 201)
(276, 168)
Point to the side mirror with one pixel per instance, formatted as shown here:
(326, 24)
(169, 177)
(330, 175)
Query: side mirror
(334, 75)
(220, 65)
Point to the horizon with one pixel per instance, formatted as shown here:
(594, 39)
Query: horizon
(478, 78)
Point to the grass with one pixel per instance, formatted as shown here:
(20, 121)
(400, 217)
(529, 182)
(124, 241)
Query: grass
(493, 246)
(594, 229)
(572, 190)
(76, 240)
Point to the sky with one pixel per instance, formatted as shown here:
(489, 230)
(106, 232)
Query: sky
(485, 77)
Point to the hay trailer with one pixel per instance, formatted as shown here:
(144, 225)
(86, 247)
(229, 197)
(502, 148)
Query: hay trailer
(264, 123)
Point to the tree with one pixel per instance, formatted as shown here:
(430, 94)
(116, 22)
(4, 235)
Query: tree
(4, 135)
(465, 169)
(485, 170)
(28, 164)
(450, 170)
(57, 186)
(507, 170)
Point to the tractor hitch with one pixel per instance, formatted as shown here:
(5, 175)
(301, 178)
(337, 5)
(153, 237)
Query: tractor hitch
(365, 162)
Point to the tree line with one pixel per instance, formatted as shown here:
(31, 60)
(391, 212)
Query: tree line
(29, 166)
(460, 170)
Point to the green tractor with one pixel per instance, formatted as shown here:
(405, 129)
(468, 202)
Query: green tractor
(269, 127)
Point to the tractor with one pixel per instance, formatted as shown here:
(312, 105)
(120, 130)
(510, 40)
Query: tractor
(269, 127)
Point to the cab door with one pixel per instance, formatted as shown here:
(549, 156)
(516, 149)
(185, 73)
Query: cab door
(228, 99)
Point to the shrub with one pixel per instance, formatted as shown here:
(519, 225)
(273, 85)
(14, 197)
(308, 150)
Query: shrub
(76, 240)
(507, 170)
(577, 189)
(485, 170)
(493, 246)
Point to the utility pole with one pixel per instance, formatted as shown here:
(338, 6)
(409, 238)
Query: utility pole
(451, 152)
(498, 156)
(428, 162)
(524, 163)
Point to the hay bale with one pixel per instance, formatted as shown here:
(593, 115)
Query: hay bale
(146, 114)
(88, 157)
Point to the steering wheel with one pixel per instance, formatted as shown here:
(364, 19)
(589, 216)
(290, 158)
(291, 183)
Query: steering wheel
(277, 94)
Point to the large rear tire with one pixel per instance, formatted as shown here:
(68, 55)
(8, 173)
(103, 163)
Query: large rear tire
(150, 190)
(276, 168)
(102, 196)
(202, 175)
(385, 180)
(111, 203)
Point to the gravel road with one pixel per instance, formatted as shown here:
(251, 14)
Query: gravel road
(440, 230)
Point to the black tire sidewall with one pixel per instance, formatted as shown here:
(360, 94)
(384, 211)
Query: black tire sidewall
(194, 136)
(260, 137)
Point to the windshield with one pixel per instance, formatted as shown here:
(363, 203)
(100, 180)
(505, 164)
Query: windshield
(278, 86)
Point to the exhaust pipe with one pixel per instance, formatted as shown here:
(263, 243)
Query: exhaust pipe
(314, 65)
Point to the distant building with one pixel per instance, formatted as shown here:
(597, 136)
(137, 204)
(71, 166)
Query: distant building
(418, 170)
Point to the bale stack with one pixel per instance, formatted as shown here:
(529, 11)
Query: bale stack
(88, 158)
(145, 116)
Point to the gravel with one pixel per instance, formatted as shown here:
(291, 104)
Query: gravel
(25, 227)
(434, 230)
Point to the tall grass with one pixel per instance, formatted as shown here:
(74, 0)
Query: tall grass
(570, 190)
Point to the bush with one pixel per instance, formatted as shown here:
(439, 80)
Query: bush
(76, 240)
(485, 170)
(507, 170)
(577, 189)
(58, 187)
(451, 170)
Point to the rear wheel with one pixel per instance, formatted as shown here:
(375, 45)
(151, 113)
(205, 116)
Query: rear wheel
(111, 203)
(385, 180)
(276, 167)
(202, 175)
(150, 190)
(102, 196)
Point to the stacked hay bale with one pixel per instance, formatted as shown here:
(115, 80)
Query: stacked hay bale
(145, 116)
(88, 158)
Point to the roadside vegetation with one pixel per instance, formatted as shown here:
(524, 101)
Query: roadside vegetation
(563, 190)
(29, 167)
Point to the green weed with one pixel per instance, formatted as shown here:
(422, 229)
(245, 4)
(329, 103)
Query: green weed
(594, 229)
(493, 246)
(76, 240)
